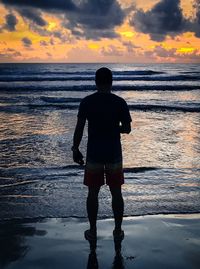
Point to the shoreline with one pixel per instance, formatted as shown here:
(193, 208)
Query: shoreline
(99, 218)
(157, 241)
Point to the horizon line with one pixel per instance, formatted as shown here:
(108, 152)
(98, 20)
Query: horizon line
(99, 62)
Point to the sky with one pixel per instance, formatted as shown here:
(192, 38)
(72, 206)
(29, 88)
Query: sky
(140, 31)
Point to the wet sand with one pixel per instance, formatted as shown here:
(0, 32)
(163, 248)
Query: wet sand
(161, 241)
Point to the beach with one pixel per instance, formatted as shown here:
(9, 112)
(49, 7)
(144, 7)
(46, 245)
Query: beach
(42, 196)
(38, 112)
(159, 241)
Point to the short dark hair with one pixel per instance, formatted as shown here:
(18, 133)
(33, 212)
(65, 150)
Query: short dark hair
(103, 76)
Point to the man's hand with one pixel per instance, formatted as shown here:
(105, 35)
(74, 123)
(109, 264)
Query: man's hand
(78, 157)
(125, 128)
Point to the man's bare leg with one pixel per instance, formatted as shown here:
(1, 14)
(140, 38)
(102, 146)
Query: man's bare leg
(118, 207)
(92, 207)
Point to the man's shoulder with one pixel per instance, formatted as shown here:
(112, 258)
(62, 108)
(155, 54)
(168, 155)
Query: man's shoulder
(88, 97)
(95, 97)
(117, 98)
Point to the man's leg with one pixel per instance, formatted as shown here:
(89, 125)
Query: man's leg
(92, 207)
(117, 206)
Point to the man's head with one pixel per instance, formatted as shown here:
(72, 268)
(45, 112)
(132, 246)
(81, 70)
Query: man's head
(103, 79)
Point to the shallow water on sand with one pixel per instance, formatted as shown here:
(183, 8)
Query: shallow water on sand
(170, 241)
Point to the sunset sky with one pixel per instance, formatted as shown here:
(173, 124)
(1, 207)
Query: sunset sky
(100, 31)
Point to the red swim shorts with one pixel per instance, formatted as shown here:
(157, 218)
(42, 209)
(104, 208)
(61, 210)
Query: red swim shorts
(97, 174)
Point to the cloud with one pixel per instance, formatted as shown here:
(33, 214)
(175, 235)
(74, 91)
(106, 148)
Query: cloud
(84, 53)
(12, 52)
(94, 34)
(198, 11)
(26, 42)
(159, 52)
(52, 41)
(111, 51)
(96, 19)
(32, 15)
(195, 25)
(130, 47)
(43, 43)
(62, 34)
(85, 18)
(171, 55)
(9, 55)
(164, 53)
(11, 22)
(166, 19)
(49, 54)
(50, 5)
(100, 14)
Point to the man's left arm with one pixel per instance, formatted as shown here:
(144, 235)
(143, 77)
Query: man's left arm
(125, 127)
(125, 119)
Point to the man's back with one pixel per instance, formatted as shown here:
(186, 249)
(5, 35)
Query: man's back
(104, 112)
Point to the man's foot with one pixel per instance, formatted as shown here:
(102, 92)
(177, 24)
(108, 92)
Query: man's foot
(118, 235)
(90, 235)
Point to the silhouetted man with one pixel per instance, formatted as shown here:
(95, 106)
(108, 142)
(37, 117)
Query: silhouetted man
(108, 116)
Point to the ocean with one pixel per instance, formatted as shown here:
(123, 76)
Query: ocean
(38, 111)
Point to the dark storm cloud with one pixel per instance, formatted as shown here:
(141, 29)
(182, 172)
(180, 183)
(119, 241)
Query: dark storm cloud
(195, 25)
(197, 6)
(32, 15)
(26, 42)
(100, 14)
(166, 18)
(85, 18)
(11, 22)
(95, 19)
(57, 5)
(93, 34)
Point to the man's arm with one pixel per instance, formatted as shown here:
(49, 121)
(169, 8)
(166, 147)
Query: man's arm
(125, 118)
(125, 128)
(78, 134)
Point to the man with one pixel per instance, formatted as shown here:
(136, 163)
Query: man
(108, 116)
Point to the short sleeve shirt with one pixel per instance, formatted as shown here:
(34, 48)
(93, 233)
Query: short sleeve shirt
(104, 113)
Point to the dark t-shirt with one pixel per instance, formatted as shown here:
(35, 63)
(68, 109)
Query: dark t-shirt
(104, 112)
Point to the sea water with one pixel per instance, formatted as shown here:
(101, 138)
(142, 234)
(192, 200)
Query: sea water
(161, 156)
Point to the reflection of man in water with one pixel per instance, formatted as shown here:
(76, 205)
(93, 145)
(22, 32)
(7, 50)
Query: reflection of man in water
(118, 262)
(108, 116)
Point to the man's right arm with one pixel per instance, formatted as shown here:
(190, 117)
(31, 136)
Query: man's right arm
(78, 134)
